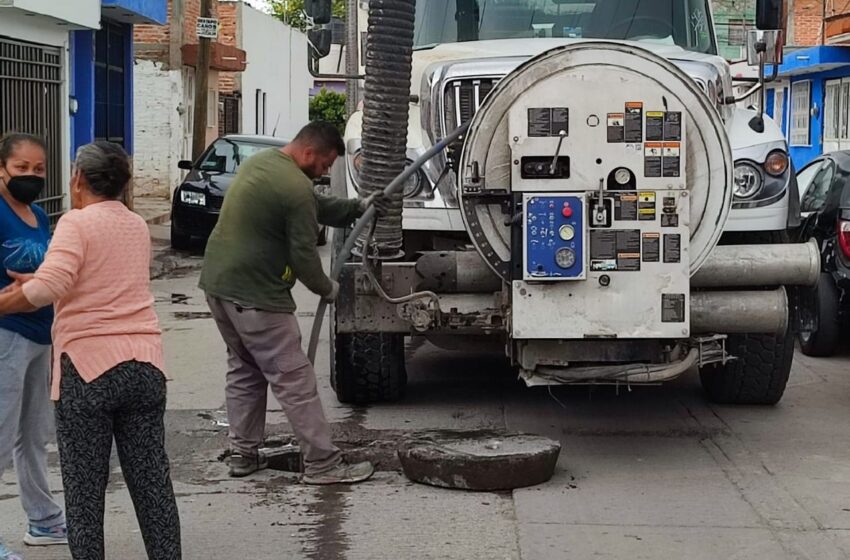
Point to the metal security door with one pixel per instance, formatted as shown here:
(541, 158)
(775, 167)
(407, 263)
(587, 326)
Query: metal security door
(30, 101)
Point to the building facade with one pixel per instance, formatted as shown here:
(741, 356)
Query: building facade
(258, 84)
(35, 79)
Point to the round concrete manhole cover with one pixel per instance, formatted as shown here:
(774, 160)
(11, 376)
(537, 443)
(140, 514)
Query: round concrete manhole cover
(486, 464)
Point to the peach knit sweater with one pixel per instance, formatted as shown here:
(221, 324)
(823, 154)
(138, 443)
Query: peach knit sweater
(97, 272)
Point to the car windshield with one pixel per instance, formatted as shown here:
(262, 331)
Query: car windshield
(225, 155)
(685, 23)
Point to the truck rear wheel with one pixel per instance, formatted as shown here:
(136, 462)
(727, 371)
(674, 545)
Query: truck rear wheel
(759, 373)
(368, 368)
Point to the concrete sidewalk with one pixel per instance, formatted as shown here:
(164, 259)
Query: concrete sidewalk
(154, 210)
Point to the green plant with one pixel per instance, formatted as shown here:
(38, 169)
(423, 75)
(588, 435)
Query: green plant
(328, 106)
(291, 12)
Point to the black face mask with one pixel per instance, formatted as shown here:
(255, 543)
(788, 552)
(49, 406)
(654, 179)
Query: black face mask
(25, 188)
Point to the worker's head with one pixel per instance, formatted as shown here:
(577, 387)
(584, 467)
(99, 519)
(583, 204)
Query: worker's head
(101, 172)
(315, 148)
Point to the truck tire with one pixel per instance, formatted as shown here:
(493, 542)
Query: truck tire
(368, 368)
(759, 373)
(824, 340)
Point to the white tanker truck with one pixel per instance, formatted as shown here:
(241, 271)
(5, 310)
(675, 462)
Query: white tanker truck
(610, 216)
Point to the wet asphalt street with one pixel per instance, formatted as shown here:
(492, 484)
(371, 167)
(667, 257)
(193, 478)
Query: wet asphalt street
(654, 472)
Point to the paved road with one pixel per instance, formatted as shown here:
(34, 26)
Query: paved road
(647, 473)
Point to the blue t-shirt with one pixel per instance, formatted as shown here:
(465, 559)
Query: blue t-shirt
(22, 249)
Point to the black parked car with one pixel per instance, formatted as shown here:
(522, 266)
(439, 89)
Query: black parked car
(197, 201)
(825, 206)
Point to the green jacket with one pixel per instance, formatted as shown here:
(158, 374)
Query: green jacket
(267, 232)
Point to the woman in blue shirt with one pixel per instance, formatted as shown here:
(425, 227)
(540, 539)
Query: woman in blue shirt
(25, 342)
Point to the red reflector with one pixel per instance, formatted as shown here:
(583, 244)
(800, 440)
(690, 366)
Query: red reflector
(567, 211)
(844, 236)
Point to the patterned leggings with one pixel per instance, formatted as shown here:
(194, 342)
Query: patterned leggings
(127, 402)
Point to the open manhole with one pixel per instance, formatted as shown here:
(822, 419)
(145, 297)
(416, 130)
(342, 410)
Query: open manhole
(483, 464)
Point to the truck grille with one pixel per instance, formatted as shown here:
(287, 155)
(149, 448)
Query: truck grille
(461, 99)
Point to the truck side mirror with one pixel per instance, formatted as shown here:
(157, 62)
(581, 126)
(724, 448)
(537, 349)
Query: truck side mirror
(319, 11)
(764, 43)
(320, 42)
(770, 14)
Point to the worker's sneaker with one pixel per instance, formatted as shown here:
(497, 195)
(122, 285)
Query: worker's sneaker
(46, 536)
(243, 465)
(8, 554)
(344, 473)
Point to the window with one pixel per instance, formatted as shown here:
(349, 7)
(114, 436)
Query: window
(212, 108)
(844, 130)
(225, 156)
(818, 190)
(779, 108)
(109, 83)
(737, 31)
(831, 112)
(685, 23)
(800, 110)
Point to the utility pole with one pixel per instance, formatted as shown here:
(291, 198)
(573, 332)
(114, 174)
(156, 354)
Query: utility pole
(202, 79)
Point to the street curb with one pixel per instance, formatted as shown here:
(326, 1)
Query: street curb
(159, 220)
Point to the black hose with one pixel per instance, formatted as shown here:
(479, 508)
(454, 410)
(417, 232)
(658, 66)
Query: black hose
(344, 253)
(386, 103)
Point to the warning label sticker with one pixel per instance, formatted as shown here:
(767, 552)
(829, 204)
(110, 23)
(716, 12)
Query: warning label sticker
(548, 121)
(673, 126)
(634, 122)
(672, 308)
(672, 248)
(653, 152)
(625, 207)
(646, 206)
(651, 247)
(616, 128)
(615, 250)
(669, 220)
(654, 126)
(672, 159)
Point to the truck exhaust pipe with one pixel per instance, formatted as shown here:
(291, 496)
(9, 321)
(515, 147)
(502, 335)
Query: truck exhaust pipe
(764, 312)
(787, 264)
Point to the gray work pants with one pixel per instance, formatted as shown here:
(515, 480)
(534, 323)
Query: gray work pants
(25, 416)
(264, 350)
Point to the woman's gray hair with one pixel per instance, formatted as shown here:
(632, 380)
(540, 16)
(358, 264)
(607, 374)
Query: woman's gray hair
(106, 167)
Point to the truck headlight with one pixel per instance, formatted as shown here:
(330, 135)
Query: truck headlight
(193, 197)
(748, 181)
(412, 186)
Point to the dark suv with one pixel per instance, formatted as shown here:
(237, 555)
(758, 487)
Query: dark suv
(825, 206)
(197, 201)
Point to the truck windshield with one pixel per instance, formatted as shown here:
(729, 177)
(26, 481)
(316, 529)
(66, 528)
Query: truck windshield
(685, 23)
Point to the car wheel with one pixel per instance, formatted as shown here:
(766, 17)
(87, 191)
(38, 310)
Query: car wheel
(180, 241)
(824, 340)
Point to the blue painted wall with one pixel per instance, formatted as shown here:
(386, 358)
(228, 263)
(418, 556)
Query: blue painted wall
(82, 89)
(154, 10)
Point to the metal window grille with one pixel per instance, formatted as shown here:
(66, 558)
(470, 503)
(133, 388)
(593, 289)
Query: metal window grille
(228, 115)
(110, 84)
(31, 102)
(800, 113)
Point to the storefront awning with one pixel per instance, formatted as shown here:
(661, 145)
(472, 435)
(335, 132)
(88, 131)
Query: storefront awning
(136, 11)
(814, 59)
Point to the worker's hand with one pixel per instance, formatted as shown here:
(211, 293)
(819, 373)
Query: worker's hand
(331, 297)
(379, 200)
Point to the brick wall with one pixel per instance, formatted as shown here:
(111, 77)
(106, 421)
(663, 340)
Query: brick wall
(228, 16)
(806, 19)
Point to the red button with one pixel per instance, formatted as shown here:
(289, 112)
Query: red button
(567, 211)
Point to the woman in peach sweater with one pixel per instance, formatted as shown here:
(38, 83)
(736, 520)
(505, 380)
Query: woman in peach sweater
(108, 376)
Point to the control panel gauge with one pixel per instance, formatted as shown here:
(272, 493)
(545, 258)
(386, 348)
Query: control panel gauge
(622, 176)
(565, 257)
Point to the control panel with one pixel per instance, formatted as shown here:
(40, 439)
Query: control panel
(554, 234)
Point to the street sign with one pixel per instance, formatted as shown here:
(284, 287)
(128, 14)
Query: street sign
(207, 28)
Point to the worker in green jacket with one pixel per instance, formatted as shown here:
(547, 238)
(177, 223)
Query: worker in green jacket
(265, 241)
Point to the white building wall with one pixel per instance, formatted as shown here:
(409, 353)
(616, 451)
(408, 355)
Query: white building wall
(158, 128)
(277, 67)
(80, 13)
